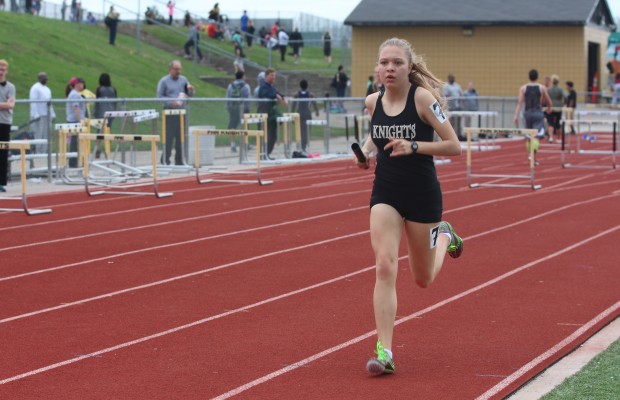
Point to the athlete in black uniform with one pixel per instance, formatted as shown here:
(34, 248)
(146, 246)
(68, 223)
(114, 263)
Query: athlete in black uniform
(406, 191)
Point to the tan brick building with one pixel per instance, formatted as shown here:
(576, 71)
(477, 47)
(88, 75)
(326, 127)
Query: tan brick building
(493, 43)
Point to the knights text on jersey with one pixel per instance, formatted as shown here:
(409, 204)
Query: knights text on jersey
(412, 173)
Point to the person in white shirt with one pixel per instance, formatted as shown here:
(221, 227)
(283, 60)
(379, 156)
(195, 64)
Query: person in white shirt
(40, 95)
(283, 43)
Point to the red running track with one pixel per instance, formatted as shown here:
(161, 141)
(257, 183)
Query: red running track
(227, 290)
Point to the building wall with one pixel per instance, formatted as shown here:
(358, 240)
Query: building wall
(497, 59)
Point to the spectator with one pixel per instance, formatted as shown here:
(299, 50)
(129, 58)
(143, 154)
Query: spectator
(87, 94)
(111, 21)
(260, 80)
(327, 47)
(534, 95)
(149, 14)
(297, 42)
(262, 34)
(303, 108)
(63, 9)
(556, 94)
(76, 112)
(275, 29)
(7, 103)
(571, 103)
(239, 94)
(187, 19)
(193, 40)
(214, 14)
(340, 83)
(282, 43)
(105, 90)
(453, 92)
(170, 11)
(237, 41)
(249, 35)
(244, 21)
(174, 88)
(40, 97)
(268, 91)
(90, 18)
(471, 98)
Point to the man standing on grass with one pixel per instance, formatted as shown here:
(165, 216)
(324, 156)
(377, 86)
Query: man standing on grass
(7, 103)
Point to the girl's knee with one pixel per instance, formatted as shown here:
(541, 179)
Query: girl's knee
(424, 281)
(386, 269)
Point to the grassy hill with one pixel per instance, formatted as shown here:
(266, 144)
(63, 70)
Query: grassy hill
(63, 50)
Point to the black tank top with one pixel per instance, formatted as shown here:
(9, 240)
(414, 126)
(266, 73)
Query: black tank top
(412, 173)
(532, 98)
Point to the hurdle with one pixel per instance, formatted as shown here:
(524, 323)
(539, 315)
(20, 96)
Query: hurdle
(85, 140)
(319, 122)
(253, 118)
(132, 117)
(22, 146)
(566, 143)
(285, 120)
(64, 132)
(528, 134)
(164, 115)
(245, 134)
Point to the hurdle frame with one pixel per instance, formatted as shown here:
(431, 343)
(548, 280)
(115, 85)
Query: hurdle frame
(253, 118)
(181, 112)
(22, 146)
(85, 140)
(220, 132)
(284, 121)
(319, 122)
(528, 134)
(64, 131)
(577, 123)
(127, 171)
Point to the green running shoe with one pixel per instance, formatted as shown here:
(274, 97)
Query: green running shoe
(383, 364)
(455, 249)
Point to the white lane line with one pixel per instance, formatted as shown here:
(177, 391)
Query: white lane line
(323, 353)
(179, 277)
(172, 279)
(177, 221)
(358, 339)
(549, 353)
(154, 207)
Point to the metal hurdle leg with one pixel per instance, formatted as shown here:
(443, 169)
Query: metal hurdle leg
(220, 132)
(531, 133)
(22, 146)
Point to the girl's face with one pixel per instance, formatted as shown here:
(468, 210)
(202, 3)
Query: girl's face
(393, 66)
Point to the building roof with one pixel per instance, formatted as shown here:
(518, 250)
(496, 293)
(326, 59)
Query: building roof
(481, 12)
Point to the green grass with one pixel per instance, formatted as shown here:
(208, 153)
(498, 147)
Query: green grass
(598, 380)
